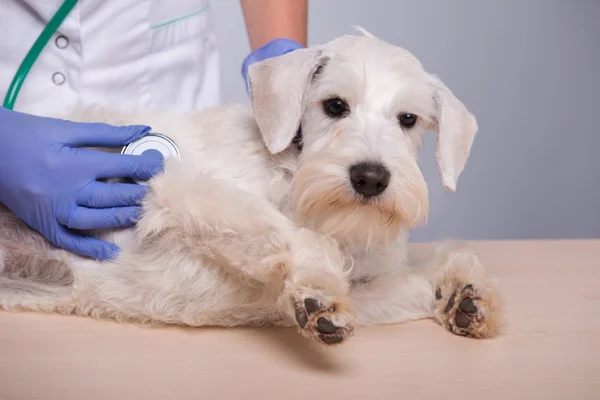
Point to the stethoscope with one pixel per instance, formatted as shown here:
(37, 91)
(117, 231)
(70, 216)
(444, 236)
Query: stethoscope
(152, 141)
(50, 29)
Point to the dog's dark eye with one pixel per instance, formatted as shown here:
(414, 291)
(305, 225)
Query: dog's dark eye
(407, 120)
(336, 107)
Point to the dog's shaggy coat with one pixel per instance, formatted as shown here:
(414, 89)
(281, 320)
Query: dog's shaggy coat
(249, 229)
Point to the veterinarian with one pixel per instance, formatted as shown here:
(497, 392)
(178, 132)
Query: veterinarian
(134, 54)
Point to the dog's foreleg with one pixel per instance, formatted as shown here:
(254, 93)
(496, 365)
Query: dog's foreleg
(393, 297)
(244, 234)
(453, 288)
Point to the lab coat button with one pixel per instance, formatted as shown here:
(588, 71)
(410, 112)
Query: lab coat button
(61, 42)
(58, 78)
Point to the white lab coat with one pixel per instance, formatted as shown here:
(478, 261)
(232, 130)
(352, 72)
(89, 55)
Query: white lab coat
(132, 54)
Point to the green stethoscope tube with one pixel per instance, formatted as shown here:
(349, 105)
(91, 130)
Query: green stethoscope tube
(34, 52)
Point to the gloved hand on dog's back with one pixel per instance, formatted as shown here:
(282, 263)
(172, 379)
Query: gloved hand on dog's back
(50, 182)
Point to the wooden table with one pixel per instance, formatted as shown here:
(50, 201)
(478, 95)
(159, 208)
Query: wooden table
(549, 350)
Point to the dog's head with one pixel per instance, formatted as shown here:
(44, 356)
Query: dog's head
(363, 106)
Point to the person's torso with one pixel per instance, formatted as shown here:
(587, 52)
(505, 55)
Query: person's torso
(129, 54)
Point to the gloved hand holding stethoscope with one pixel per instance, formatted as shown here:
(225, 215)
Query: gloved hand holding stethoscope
(51, 184)
(50, 181)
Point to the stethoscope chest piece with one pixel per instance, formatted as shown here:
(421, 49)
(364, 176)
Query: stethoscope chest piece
(152, 141)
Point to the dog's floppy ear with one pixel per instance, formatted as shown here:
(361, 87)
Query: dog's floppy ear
(456, 128)
(278, 91)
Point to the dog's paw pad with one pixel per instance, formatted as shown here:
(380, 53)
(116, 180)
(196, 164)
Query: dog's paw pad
(322, 320)
(466, 312)
(332, 339)
(311, 305)
(468, 306)
(325, 326)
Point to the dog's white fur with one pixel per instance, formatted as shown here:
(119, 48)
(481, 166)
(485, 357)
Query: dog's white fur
(246, 229)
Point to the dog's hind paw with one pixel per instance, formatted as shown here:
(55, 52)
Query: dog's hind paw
(321, 317)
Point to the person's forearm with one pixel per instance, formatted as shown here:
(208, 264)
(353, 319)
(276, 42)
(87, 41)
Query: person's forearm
(271, 19)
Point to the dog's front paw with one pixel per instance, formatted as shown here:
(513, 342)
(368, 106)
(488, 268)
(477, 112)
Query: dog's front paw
(463, 313)
(466, 300)
(321, 317)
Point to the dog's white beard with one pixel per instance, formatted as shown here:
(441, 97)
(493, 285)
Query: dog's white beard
(324, 201)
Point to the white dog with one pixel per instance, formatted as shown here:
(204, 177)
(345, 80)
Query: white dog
(251, 227)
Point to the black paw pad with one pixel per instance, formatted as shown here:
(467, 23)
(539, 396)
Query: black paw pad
(331, 339)
(467, 306)
(325, 326)
(462, 321)
(311, 305)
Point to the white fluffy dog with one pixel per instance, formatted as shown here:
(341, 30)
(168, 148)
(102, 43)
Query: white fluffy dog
(251, 227)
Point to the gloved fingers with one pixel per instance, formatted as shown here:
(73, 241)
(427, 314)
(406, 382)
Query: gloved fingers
(104, 195)
(83, 218)
(103, 135)
(111, 165)
(84, 245)
(274, 48)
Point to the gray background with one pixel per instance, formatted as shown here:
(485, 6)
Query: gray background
(528, 70)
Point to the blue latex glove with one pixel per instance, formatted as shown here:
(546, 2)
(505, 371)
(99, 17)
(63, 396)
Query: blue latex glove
(51, 183)
(274, 48)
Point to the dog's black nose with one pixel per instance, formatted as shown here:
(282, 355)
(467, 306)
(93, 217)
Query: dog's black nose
(369, 179)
